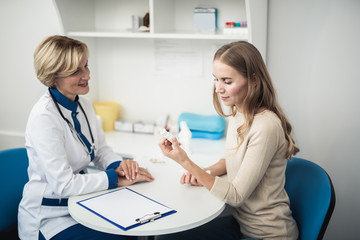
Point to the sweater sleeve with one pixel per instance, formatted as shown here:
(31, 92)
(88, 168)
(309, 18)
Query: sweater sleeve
(257, 151)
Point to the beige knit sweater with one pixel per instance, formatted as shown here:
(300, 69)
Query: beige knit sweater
(256, 178)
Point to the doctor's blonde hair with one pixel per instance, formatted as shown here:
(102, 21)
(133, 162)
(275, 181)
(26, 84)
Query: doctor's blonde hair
(58, 56)
(247, 60)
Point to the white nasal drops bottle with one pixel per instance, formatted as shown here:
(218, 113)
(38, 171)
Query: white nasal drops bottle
(185, 136)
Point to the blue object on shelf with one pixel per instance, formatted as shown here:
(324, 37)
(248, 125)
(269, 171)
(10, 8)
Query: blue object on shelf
(208, 135)
(204, 126)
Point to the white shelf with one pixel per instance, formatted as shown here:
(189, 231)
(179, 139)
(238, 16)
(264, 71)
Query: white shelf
(118, 34)
(172, 19)
(169, 19)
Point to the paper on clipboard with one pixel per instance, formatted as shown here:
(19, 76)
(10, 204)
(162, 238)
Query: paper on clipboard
(125, 208)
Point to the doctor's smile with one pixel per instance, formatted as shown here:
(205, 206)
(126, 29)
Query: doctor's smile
(84, 84)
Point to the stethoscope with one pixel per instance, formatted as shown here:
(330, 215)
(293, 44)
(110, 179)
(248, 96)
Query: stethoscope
(72, 129)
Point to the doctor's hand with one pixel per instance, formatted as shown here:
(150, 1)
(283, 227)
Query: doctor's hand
(173, 150)
(128, 169)
(141, 176)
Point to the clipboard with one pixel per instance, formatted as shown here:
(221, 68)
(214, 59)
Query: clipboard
(126, 208)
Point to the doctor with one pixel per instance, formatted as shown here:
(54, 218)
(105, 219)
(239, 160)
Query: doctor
(62, 138)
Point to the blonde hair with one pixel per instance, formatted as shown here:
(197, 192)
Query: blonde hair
(58, 56)
(247, 60)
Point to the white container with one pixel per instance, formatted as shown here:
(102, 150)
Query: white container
(205, 19)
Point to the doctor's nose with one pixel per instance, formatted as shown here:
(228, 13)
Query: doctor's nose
(85, 74)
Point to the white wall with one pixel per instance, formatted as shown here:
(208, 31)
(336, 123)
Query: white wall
(23, 25)
(145, 95)
(312, 56)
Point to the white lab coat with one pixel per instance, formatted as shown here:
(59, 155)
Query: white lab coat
(55, 160)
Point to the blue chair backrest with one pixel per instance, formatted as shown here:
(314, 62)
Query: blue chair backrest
(312, 197)
(13, 176)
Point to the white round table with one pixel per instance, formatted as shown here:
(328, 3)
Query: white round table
(194, 205)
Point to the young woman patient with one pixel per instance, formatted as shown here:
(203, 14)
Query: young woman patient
(258, 144)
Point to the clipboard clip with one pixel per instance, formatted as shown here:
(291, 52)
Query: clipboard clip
(148, 217)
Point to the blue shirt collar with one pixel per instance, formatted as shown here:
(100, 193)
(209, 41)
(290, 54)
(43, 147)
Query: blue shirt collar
(64, 101)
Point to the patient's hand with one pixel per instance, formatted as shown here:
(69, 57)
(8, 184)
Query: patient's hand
(188, 178)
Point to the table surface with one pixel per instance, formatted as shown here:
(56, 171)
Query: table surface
(194, 205)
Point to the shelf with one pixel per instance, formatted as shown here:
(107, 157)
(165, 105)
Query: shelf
(179, 35)
(169, 19)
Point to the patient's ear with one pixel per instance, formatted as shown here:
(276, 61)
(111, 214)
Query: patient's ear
(255, 80)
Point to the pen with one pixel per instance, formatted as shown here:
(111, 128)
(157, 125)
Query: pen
(152, 217)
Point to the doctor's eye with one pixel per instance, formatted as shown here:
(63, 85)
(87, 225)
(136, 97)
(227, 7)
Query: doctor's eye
(76, 72)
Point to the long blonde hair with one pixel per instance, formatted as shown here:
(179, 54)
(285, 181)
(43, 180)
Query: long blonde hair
(247, 60)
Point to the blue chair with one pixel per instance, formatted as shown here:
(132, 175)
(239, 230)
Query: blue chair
(13, 176)
(312, 197)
